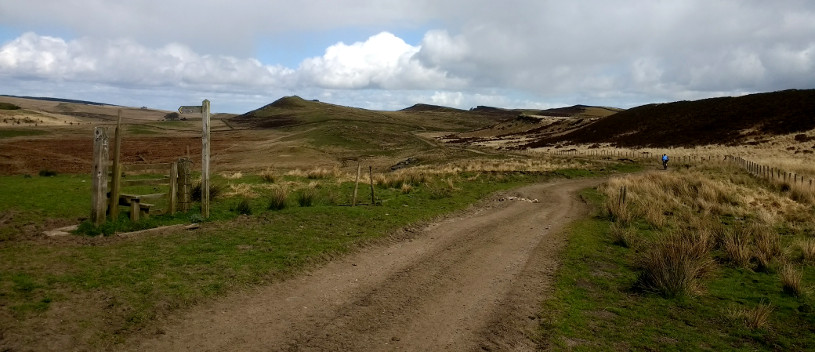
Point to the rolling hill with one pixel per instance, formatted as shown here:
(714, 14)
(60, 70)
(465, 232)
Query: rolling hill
(726, 120)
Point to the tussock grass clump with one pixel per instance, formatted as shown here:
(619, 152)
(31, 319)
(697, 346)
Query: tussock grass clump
(268, 176)
(215, 190)
(674, 264)
(278, 198)
(807, 247)
(243, 207)
(790, 280)
(767, 246)
(737, 249)
(306, 197)
(753, 318)
(623, 235)
(406, 188)
(802, 194)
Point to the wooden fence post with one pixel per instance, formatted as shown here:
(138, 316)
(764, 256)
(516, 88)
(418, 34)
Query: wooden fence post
(371, 175)
(116, 176)
(99, 187)
(356, 185)
(205, 159)
(184, 166)
(173, 195)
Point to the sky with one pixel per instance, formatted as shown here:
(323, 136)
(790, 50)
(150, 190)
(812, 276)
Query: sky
(391, 54)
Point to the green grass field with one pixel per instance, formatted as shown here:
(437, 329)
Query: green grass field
(120, 285)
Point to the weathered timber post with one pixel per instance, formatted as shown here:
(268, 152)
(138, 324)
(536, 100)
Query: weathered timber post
(184, 166)
(116, 176)
(173, 195)
(371, 175)
(100, 176)
(205, 141)
(356, 185)
(205, 160)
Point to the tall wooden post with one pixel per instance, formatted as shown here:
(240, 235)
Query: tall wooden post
(99, 187)
(371, 175)
(116, 175)
(205, 160)
(356, 185)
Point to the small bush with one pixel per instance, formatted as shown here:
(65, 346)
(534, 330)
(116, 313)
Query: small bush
(306, 197)
(790, 280)
(47, 173)
(406, 188)
(277, 201)
(197, 218)
(674, 264)
(243, 207)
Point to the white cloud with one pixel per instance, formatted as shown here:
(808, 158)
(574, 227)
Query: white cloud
(382, 61)
(447, 98)
(592, 51)
(127, 63)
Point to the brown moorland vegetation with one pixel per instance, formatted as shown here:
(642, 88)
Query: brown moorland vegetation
(725, 120)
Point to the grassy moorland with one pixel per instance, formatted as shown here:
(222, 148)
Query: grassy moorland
(264, 226)
(704, 258)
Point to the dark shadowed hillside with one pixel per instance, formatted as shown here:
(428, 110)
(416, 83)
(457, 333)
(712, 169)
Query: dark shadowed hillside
(725, 120)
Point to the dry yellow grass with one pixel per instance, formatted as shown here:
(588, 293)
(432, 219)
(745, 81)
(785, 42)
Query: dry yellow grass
(767, 246)
(623, 235)
(241, 190)
(754, 318)
(268, 175)
(736, 246)
(687, 194)
(790, 279)
(231, 175)
(807, 247)
(674, 264)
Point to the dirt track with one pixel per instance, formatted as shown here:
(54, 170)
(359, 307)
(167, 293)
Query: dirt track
(468, 283)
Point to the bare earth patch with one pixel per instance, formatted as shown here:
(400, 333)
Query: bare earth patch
(468, 283)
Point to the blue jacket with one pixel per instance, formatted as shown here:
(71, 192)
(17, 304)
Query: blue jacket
(664, 158)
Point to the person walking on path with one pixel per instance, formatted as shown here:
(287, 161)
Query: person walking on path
(665, 161)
